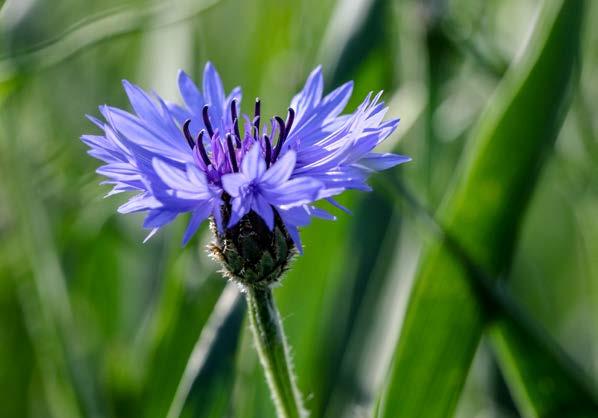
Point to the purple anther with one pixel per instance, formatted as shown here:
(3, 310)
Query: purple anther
(290, 120)
(235, 119)
(206, 121)
(188, 135)
(268, 150)
(231, 153)
(202, 149)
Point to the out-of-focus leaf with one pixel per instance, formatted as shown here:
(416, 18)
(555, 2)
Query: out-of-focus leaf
(96, 29)
(16, 348)
(445, 319)
(542, 379)
(43, 294)
(354, 28)
(347, 21)
(531, 358)
(206, 386)
(188, 312)
(373, 236)
(347, 53)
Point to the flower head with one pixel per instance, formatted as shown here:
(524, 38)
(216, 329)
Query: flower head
(209, 159)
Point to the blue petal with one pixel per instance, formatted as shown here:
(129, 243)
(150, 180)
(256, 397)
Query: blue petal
(240, 206)
(197, 217)
(151, 234)
(180, 185)
(338, 206)
(158, 118)
(159, 217)
(314, 123)
(213, 92)
(196, 176)
(141, 103)
(190, 93)
(171, 176)
(294, 233)
(135, 131)
(141, 202)
(295, 192)
(233, 182)
(280, 171)
(292, 218)
(263, 208)
(379, 162)
(310, 96)
(253, 165)
(235, 94)
(118, 170)
(321, 213)
(298, 216)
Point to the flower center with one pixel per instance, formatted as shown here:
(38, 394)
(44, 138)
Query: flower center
(227, 148)
(250, 188)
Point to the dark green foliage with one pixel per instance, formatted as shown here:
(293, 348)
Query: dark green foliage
(501, 164)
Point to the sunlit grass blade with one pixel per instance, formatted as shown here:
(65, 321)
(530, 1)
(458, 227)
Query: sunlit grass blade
(354, 27)
(483, 212)
(184, 314)
(542, 379)
(353, 49)
(530, 358)
(43, 295)
(96, 29)
(206, 384)
(373, 235)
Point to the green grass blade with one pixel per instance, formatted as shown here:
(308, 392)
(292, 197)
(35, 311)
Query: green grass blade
(538, 387)
(96, 29)
(536, 367)
(444, 319)
(191, 313)
(341, 357)
(42, 291)
(208, 378)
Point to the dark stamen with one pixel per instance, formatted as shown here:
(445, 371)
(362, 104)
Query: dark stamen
(201, 148)
(256, 115)
(231, 153)
(256, 126)
(235, 118)
(281, 137)
(257, 109)
(206, 121)
(290, 120)
(237, 137)
(188, 136)
(268, 150)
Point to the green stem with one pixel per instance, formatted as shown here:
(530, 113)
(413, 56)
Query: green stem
(273, 352)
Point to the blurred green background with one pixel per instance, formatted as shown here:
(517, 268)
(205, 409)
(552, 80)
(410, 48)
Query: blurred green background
(93, 323)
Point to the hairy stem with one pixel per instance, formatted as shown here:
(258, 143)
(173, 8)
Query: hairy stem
(273, 352)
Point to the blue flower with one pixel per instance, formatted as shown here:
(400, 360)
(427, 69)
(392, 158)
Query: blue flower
(260, 189)
(208, 159)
